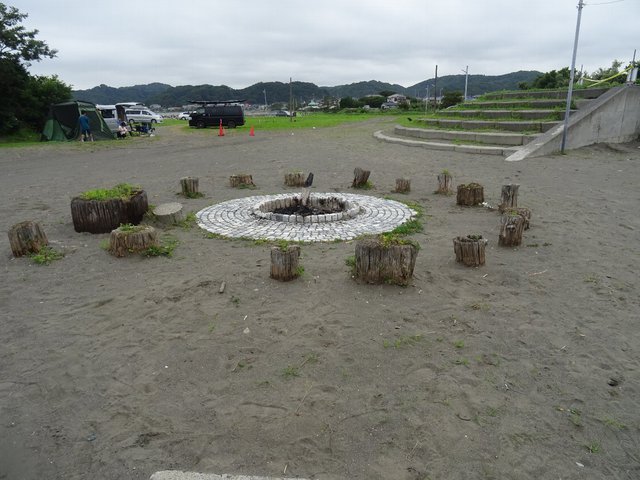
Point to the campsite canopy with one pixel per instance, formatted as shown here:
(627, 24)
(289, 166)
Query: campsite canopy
(62, 123)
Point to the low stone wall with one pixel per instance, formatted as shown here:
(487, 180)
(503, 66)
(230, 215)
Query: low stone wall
(348, 209)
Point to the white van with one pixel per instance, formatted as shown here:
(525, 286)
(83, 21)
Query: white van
(113, 115)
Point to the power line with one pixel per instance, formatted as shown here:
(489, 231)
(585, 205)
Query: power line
(604, 3)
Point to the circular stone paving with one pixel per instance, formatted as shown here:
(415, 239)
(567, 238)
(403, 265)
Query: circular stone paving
(243, 218)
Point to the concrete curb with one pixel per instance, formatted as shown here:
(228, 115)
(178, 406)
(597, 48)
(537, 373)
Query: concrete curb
(179, 475)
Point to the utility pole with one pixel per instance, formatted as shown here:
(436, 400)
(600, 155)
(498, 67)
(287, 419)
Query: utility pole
(435, 90)
(571, 78)
(291, 99)
(265, 98)
(426, 100)
(466, 78)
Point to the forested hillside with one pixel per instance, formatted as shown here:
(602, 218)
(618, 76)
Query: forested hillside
(278, 92)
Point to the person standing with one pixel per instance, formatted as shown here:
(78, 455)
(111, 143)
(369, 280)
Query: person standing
(85, 128)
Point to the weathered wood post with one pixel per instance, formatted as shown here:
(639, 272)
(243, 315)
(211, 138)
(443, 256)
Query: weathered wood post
(360, 177)
(470, 194)
(189, 187)
(469, 250)
(284, 262)
(524, 212)
(511, 227)
(445, 180)
(241, 180)
(403, 185)
(508, 197)
(294, 179)
(102, 216)
(26, 237)
(378, 261)
(127, 239)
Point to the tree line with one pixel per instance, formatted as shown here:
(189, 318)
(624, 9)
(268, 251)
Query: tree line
(25, 98)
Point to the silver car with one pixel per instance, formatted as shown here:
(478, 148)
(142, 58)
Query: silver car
(142, 116)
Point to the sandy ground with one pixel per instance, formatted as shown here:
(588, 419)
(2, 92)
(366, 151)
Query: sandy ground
(527, 368)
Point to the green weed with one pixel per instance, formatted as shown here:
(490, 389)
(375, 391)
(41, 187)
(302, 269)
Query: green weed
(120, 191)
(291, 371)
(46, 255)
(165, 248)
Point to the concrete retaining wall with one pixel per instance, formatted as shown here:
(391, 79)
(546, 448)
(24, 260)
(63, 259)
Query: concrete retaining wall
(612, 118)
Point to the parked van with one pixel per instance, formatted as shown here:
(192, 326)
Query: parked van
(113, 115)
(209, 114)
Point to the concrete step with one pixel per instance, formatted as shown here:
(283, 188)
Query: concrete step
(489, 138)
(180, 475)
(509, 126)
(505, 114)
(476, 149)
(521, 103)
(577, 93)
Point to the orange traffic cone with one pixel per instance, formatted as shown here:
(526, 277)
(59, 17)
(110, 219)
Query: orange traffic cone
(221, 131)
(252, 133)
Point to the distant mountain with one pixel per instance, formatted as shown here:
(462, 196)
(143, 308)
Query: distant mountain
(278, 92)
(105, 95)
(476, 84)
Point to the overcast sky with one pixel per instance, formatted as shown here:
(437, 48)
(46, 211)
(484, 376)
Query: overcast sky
(326, 42)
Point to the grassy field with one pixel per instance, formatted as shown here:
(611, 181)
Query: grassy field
(309, 120)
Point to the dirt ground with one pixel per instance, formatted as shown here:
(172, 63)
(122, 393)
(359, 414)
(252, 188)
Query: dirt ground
(526, 368)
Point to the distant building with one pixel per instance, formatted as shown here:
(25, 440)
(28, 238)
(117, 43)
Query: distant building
(397, 98)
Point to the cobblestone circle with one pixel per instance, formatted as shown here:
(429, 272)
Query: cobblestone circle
(234, 219)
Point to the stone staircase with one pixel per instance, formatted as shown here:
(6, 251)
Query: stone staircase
(499, 124)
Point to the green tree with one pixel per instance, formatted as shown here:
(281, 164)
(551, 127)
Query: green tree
(349, 102)
(39, 94)
(450, 99)
(374, 101)
(24, 99)
(18, 43)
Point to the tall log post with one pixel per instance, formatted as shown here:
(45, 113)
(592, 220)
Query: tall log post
(445, 180)
(403, 185)
(511, 227)
(294, 179)
(189, 187)
(241, 181)
(284, 263)
(360, 177)
(470, 194)
(124, 241)
(469, 250)
(377, 262)
(508, 197)
(26, 237)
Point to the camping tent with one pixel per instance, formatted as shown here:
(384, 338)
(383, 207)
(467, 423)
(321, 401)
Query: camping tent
(62, 123)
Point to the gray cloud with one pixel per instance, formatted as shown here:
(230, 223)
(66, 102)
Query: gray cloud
(329, 42)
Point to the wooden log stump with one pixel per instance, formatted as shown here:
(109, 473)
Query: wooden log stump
(128, 239)
(169, 213)
(284, 262)
(189, 187)
(470, 194)
(445, 180)
(508, 197)
(26, 237)
(294, 179)
(360, 177)
(379, 262)
(241, 181)
(102, 216)
(511, 228)
(469, 250)
(524, 212)
(403, 185)
(309, 181)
